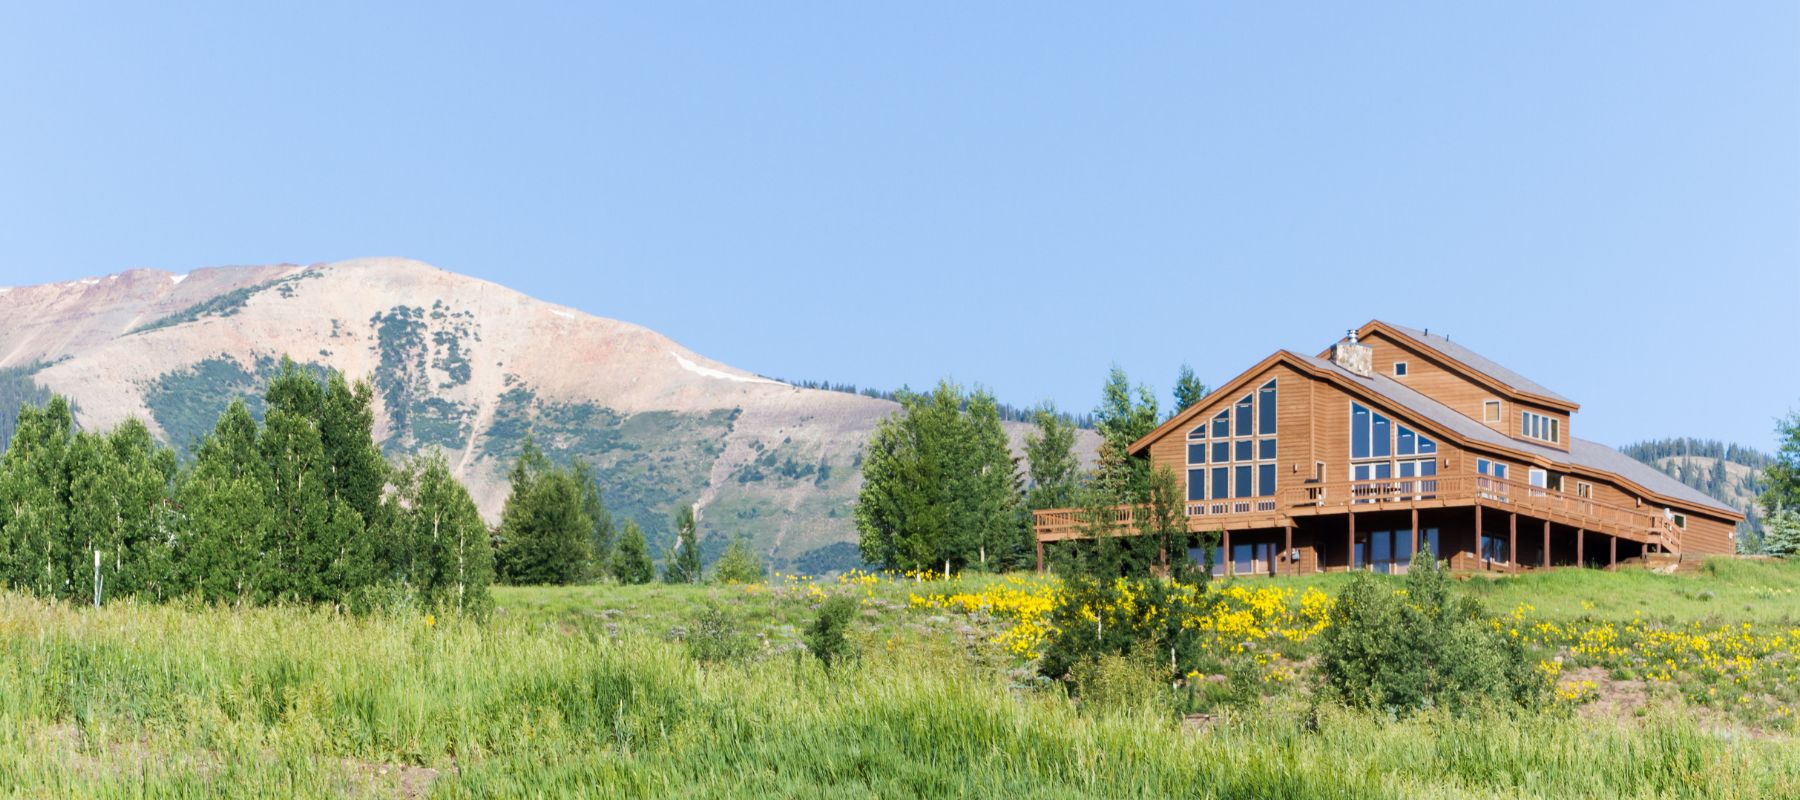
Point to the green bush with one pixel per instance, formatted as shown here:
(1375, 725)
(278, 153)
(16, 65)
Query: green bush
(825, 636)
(1121, 684)
(1403, 652)
(1118, 631)
(738, 565)
(713, 637)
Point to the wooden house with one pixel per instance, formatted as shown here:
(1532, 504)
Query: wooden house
(1396, 439)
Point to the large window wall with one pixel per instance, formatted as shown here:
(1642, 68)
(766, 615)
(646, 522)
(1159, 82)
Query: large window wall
(1231, 457)
(1384, 449)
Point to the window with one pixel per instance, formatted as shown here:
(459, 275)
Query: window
(1538, 479)
(1584, 491)
(1540, 427)
(1490, 411)
(1492, 469)
(1493, 548)
(1371, 434)
(1265, 409)
(1399, 369)
(1408, 442)
(1238, 447)
(1680, 520)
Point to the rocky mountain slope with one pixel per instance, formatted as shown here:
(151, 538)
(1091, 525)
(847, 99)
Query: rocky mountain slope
(469, 367)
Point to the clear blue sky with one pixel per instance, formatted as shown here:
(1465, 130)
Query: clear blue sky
(1606, 198)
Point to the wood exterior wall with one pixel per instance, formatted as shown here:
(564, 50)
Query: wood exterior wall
(1450, 385)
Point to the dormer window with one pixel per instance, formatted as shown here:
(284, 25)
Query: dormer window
(1399, 369)
(1540, 427)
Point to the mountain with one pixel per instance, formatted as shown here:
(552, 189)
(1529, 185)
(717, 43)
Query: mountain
(1730, 473)
(469, 367)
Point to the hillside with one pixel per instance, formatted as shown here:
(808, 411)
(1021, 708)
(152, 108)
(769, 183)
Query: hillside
(468, 367)
(1729, 473)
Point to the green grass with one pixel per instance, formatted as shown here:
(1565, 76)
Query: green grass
(584, 692)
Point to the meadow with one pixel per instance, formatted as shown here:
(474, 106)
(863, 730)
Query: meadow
(596, 691)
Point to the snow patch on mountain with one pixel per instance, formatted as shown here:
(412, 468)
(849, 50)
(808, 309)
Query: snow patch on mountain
(721, 374)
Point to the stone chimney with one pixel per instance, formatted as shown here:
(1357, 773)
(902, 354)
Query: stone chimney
(1357, 358)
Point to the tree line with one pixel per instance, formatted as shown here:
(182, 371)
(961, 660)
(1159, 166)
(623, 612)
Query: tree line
(302, 507)
(943, 491)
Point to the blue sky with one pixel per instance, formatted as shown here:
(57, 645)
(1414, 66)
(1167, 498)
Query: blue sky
(1604, 197)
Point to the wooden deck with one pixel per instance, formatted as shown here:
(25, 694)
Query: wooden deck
(1645, 525)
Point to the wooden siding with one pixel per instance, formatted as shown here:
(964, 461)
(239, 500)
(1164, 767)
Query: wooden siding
(1434, 378)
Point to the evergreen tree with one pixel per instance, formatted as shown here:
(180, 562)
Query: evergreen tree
(684, 563)
(1188, 390)
(543, 530)
(738, 564)
(1781, 533)
(1050, 455)
(600, 544)
(631, 561)
(1120, 420)
(227, 516)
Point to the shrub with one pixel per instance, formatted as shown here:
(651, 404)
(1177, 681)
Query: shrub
(714, 638)
(1120, 684)
(825, 636)
(1104, 618)
(1423, 648)
(738, 565)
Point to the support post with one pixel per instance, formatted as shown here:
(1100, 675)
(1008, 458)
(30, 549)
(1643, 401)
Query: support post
(1612, 560)
(1350, 546)
(1481, 547)
(1287, 538)
(1512, 542)
(1230, 569)
(1546, 544)
(1040, 555)
(1416, 537)
(1581, 547)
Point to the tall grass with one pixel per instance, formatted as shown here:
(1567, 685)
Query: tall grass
(135, 700)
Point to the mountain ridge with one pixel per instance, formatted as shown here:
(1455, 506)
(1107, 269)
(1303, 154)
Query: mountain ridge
(470, 367)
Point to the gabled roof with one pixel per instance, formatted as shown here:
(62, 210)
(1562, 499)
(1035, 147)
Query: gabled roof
(1481, 365)
(1582, 454)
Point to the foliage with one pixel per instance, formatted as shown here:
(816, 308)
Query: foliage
(445, 553)
(738, 564)
(683, 565)
(825, 637)
(1054, 472)
(17, 391)
(1782, 533)
(1783, 473)
(713, 637)
(544, 532)
(631, 561)
(940, 487)
(1404, 652)
(1125, 618)
(1128, 684)
(1188, 391)
(1124, 416)
(1009, 413)
(601, 542)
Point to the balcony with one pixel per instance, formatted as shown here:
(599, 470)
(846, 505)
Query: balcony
(1393, 494)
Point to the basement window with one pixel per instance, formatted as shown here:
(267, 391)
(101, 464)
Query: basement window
(1399, 369)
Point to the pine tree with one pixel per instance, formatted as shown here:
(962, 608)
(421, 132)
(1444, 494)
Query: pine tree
(995, 491)
(684, 563)
(1188, 390)
(1121, 420)
(600, 544)
(1050, 455)
(1781, 533)
(631, 561)
(544, 531)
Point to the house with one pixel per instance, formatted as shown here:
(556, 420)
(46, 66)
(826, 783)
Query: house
(1395, 439)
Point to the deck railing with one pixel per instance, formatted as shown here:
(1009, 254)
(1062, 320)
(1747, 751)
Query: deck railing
(1372, 495)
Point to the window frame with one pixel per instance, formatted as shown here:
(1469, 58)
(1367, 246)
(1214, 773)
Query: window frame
(1400, 369)
(1498, 415)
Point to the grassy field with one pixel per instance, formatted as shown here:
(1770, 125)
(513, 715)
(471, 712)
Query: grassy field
(593, 692)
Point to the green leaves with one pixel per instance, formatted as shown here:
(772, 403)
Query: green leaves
(940, 485)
